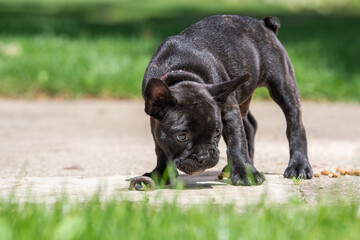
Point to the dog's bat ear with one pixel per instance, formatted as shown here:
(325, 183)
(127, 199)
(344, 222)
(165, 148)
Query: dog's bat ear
(221, 91)
(158, 98)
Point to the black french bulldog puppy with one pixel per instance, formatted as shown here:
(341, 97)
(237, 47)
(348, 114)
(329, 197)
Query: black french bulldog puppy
(198, 86)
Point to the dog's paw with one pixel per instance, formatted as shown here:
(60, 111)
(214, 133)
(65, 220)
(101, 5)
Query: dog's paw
(299, 170)
(163, 177)
(246, 176)
(155, 176)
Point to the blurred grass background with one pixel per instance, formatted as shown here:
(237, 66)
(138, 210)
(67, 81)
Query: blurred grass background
(100, 48)
(112, 219)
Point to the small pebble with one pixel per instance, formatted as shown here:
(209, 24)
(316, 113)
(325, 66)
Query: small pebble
(221, 176)
(325, 172)
(353, 172)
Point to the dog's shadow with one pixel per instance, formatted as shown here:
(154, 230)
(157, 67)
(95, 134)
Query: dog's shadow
(205, 180)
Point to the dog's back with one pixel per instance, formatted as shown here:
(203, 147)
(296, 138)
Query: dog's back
(242, 43)
(221, 47)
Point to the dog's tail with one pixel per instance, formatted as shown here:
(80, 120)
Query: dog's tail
(272, 23)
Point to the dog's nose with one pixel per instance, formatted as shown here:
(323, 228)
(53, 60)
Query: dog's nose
(203, 157)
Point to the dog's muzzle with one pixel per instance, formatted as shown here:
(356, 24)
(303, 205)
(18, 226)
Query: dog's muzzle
(198, 162)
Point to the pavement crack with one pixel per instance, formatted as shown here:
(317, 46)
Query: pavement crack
(303, 195)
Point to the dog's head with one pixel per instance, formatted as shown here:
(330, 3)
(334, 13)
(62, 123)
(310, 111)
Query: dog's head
(186, 120)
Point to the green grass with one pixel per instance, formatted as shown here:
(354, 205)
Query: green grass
(141, 220)
(297, 180)
(101, 48)
(60, 65)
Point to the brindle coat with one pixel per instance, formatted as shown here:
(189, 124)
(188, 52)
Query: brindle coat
(188, 92)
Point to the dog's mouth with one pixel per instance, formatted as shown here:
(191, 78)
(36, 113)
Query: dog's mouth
(192, 166)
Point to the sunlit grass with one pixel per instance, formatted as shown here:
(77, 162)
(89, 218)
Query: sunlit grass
(105, 67)
(141, 220)
(101, 49)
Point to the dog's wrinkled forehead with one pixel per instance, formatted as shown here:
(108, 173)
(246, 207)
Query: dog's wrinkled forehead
(183, 119)
(194, 93)
(195, 108)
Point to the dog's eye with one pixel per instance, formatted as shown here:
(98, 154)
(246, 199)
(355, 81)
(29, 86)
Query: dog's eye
(181, 136)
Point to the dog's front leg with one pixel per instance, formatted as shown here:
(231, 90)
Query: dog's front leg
(242, 172)
(164, 172)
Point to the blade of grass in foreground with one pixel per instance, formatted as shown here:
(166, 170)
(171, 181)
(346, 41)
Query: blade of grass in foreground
(134, 220)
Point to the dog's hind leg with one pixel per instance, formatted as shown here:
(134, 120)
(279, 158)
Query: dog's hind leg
(250, 125)
(284, 91)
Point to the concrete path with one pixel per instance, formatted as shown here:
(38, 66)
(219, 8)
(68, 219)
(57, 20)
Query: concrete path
(76, 146)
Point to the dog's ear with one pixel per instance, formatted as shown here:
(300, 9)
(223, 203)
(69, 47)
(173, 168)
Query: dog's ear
(221, 91)
(158, 98)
